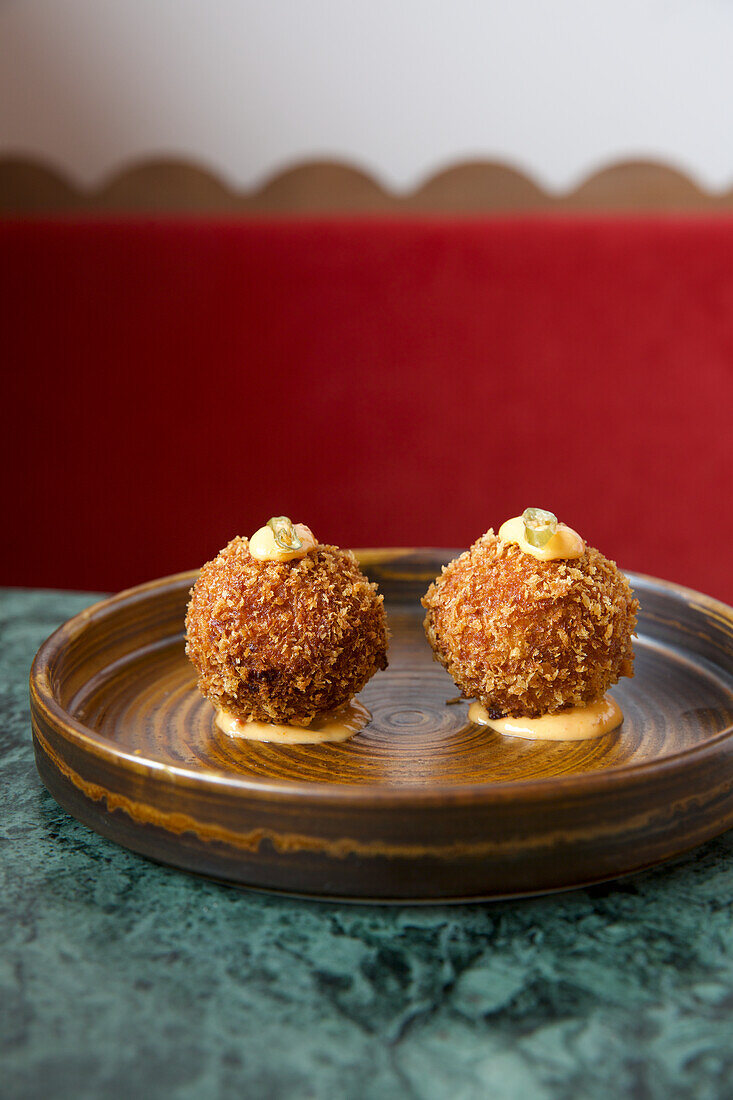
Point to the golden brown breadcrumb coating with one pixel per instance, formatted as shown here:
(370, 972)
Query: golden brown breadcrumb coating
(529, 637)
(284, 641)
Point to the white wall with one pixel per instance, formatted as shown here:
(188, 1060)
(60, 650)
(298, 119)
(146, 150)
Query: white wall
(399, 87)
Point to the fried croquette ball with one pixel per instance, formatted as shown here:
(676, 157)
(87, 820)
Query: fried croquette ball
(284, 640)
(528, 637)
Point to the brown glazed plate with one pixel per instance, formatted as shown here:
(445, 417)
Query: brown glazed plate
(422, 805)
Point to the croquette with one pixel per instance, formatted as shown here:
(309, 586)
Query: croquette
(284, 642)
(528, 637)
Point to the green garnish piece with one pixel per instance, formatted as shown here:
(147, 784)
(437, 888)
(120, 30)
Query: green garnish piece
(285, 534)
(539, 526)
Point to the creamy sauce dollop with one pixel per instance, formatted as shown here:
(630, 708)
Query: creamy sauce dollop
(337, 725)
(573, 724)
(264, 547)
(564, 545)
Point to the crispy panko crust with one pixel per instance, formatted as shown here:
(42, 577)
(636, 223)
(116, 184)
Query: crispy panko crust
(284, 641)
(528, 637)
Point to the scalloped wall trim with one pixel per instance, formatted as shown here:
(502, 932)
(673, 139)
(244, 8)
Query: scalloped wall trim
(164, 186)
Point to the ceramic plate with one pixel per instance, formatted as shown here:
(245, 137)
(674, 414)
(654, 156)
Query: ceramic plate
(422, 805)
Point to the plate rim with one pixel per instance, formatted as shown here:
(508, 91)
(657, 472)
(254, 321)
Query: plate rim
(576, 785)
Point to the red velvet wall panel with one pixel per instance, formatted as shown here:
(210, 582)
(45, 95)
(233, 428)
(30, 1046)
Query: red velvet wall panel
(170, 384)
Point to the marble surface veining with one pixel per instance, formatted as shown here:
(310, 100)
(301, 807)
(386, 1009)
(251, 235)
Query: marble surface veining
(120, 978)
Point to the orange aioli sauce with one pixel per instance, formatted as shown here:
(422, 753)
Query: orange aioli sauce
(574, 724)
(337, 725)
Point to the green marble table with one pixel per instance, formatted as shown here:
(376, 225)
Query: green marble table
(119, 978)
